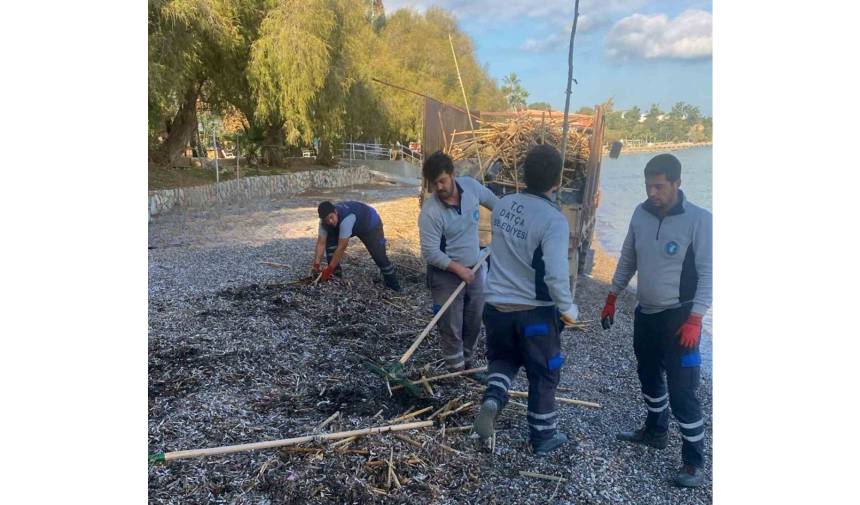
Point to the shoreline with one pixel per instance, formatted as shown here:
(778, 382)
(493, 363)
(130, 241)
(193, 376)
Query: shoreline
(664, 146)
(238, 350)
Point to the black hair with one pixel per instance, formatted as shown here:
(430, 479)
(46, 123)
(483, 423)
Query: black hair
(664, 164)
(435, 164)
(324, 209)
(542, 168)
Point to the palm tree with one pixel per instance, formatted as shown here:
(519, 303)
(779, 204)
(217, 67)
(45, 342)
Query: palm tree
(514, 91)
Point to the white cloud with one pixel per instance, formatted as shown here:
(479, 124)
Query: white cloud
(494, 11)
(549, 43)
(637, 37)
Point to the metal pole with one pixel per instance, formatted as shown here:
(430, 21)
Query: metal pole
(567, 99)
(237, 158)
(215, 148)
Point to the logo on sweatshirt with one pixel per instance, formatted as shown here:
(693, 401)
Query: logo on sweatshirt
(672, 248)
(476, 215)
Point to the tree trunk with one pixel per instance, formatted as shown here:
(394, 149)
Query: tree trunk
(181, 128)
(273, 146)
(325, 155)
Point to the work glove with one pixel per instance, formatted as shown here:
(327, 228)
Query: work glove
(326, 274)
(316, 269)
(569, 317)
(607, 317)
(690, 331)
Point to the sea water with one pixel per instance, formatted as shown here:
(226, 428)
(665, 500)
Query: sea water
(622, 188)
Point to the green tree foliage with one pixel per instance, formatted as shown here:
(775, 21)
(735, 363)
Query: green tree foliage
(183, 36)
(684, 123)
(300, 70)
(540, 106)
(413, 51)
(514, 91)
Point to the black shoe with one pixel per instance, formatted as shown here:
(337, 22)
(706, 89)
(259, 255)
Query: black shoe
(689, 476)
(481, 377)
(543, 448)
(645, 437)
(391, 282)
(485, 424)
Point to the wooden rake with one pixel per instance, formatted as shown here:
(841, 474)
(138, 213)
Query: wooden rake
(394, 371)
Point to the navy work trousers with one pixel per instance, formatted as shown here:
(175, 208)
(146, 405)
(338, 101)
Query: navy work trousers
(528, 338)
(373, 240)
(658, 351)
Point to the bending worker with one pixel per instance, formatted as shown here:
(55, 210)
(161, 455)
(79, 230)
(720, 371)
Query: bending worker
(528, 295)
(669, 244)
(338, 223)
(448, 227)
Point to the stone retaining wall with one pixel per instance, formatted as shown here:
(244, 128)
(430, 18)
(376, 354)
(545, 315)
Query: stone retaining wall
(249, 188)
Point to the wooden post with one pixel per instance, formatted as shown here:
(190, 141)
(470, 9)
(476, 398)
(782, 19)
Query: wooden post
(566, 126)
(215, 148)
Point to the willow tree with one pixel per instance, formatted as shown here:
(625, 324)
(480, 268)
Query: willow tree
(182, 34)
(302, 66)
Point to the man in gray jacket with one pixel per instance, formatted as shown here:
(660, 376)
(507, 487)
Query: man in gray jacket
(528, 295)
(669, 244)
(448, 227)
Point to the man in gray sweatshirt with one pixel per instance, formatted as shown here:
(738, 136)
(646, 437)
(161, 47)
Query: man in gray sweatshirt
(669, 244)
(448, 227)
(528, 296)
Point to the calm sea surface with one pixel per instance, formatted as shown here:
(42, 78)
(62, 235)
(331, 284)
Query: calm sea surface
(622, 186)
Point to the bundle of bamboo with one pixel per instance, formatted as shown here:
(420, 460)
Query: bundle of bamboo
(502, 147)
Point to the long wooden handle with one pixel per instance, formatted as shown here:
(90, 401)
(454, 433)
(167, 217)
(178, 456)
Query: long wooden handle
(409, 352)
(228, 449)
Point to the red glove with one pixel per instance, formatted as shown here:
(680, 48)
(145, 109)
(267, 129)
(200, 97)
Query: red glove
(690, 331)
(326, 274)
(607, 317)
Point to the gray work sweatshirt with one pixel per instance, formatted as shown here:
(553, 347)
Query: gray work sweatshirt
(528, 259)
(451, 233)
(672, 255)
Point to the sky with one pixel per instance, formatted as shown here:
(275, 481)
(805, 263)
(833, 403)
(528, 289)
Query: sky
(636, 52)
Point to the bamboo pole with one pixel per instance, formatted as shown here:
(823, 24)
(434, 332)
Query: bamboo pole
(229, 449)
(443, 376)
(411, 415)
(274, 265)
(543, 476)
(409, 352)
(571, 401)
(466, 101)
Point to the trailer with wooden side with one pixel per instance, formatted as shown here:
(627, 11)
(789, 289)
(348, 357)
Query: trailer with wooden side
(493, 151)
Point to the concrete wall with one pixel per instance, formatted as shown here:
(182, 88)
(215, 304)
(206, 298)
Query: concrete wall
(249, 188)
(399, 168)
